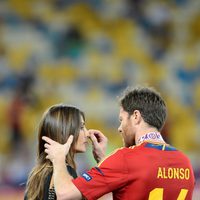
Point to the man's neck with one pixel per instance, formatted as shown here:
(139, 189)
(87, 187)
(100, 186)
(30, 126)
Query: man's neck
(143, 132)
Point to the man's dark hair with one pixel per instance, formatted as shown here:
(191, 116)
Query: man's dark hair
(149, 102)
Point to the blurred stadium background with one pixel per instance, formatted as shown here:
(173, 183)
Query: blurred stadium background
(85, 53)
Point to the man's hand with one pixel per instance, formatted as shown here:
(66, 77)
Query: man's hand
(56, 151)
(99, 144)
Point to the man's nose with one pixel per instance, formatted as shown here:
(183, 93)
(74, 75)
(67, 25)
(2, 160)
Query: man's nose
(119, 129)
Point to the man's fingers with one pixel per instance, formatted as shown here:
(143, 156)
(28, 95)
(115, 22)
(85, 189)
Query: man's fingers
(48, 140)
(69, 141)
(93, 131)
(46, 145)
(46, 151)
(94, 139)
(101, 136)
(98, 134)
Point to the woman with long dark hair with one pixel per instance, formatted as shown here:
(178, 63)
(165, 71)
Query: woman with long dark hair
(58, 123)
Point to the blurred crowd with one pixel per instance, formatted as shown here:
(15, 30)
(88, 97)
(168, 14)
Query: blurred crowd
(85, 53)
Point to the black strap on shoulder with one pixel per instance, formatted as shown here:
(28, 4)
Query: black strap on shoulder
(71, 171)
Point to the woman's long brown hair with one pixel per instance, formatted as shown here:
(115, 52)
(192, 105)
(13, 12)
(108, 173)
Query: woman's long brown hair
(58, 123)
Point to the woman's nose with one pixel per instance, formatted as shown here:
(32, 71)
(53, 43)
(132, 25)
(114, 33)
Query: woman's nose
(86, 133)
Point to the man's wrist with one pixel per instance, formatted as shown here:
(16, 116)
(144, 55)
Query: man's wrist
(100, 158)
(58, 161)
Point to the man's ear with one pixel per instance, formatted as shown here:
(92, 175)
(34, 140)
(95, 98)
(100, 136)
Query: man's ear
(137, 116)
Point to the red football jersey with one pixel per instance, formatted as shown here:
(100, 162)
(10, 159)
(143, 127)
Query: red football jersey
(145, 172)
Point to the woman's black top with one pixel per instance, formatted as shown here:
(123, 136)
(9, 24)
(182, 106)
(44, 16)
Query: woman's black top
(49, 194)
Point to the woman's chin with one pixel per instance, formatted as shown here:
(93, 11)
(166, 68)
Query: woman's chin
(80, 150)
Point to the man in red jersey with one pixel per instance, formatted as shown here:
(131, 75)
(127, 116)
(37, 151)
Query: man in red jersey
(150, 170)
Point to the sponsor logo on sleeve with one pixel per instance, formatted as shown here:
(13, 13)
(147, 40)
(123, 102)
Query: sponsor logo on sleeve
(86, 176)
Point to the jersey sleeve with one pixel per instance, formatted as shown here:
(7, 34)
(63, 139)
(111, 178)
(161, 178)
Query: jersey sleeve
(110, 175)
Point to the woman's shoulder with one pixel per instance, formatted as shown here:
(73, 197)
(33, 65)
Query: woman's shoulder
(71, 171)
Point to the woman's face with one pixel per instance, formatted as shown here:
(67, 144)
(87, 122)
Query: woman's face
(82, 141)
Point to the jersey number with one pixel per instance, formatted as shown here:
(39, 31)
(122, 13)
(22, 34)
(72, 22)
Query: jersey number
(157, 194)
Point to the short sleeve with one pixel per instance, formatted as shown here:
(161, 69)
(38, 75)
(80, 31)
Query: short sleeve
(110, 175)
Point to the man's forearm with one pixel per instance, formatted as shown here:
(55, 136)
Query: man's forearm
(62, 179)
(56, 152)
(108, 196)
(64, 187)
